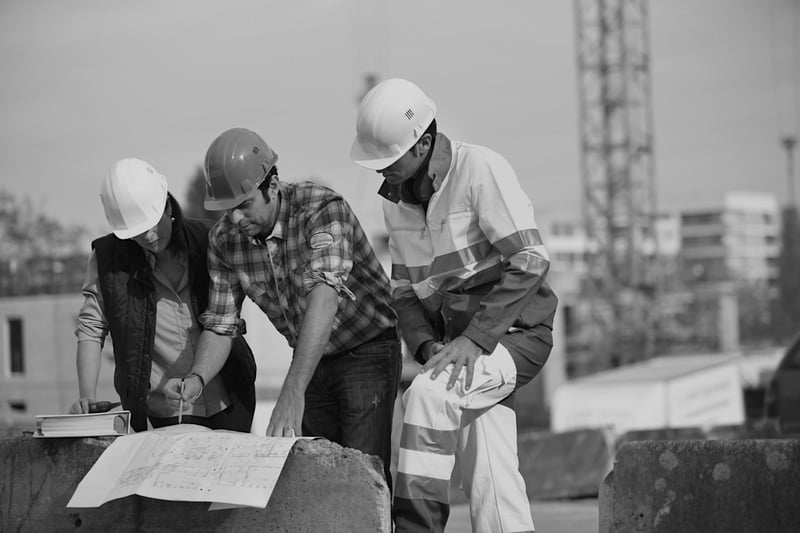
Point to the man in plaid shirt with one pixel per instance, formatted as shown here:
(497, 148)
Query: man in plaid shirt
(299, 252)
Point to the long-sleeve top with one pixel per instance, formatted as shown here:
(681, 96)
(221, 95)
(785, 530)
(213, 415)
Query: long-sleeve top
(473, 263)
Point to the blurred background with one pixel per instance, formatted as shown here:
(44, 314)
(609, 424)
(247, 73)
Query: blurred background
(656, 139)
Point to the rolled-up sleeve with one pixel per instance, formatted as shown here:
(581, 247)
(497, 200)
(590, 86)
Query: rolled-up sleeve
(92, 323)
(225, 294)
(330, 238)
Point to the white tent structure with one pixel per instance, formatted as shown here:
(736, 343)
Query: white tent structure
(663, 392)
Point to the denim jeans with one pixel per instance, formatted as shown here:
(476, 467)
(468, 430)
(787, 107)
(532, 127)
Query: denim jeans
(350, 399)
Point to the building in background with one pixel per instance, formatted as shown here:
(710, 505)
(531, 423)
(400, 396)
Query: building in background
(716, 269)
(730, 256)
(37, 357)
(738, 241)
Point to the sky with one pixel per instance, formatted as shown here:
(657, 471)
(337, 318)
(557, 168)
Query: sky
(87, 82)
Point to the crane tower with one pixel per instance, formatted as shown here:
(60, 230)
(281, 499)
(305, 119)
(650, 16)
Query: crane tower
(618, 175)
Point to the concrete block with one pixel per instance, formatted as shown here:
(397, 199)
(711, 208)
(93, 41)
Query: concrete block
(323, 487)
(736, 486)
(571, 464)
(684, 433)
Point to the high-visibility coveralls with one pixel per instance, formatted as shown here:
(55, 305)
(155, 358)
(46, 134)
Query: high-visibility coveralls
(473, 264)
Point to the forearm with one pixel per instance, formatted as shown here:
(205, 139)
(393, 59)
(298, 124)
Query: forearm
(501, 307)
(88, 363)
(414, 324)
(211, 355)
(315, 333)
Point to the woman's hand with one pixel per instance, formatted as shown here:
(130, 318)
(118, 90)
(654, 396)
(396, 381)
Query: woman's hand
(80, 406)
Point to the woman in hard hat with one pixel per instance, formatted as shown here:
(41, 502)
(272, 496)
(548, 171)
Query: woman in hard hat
(146, 284)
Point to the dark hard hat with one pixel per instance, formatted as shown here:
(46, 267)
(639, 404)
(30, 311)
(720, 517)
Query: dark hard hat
(237, 162)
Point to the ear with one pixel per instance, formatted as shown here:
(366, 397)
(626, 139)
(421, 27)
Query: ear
(423, 145)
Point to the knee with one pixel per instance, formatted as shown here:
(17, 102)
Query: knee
(424, 387)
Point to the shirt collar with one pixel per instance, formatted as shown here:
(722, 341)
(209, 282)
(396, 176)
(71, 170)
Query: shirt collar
(438, 166)
(279, 229)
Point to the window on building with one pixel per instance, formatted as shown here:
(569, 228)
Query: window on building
(691, 219)
(706, 240)
(15, 346)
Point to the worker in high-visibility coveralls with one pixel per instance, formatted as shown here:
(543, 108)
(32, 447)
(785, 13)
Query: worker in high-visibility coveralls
(468, 284)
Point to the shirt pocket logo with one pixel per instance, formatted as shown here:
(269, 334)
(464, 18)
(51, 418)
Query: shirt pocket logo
(321, 240)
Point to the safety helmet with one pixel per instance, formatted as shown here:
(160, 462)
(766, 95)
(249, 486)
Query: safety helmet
(133, 196)
(392, 117)
(236, 164)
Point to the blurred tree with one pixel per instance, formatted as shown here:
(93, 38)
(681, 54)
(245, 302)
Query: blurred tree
(193, 206)
(38, 254)
(755, 314)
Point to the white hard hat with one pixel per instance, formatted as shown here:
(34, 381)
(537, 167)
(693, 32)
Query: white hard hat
(391, 118)
(133, 196)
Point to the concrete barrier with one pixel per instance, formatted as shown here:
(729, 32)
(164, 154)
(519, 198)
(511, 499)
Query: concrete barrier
(323, 487)
(571, 464)
(685, 433)
(746, 486)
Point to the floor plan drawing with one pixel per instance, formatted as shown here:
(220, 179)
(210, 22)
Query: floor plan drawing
(189, 463)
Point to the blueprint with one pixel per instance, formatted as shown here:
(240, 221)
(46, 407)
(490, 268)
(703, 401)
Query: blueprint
(188, 463)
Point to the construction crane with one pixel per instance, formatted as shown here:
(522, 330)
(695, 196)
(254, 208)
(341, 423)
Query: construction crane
(618, 178)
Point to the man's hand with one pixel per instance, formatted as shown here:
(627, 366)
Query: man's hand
(460, 352)
(192, 388)
(287, 415)
(80, 406)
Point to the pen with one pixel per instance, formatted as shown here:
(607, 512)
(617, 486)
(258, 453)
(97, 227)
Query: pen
(180, 407)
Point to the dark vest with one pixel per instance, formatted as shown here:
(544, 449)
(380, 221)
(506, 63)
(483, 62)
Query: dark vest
(126, 284)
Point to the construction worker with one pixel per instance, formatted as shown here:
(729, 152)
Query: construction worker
(147, 284)
(468, 284)
(298, 251)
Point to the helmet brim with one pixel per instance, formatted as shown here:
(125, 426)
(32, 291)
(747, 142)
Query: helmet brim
(365, 159)
(220, 205)
(229, 203)
(129, 233)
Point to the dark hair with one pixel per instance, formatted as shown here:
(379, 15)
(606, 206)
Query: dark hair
(177, 239)
(431, 129)
(264, 185)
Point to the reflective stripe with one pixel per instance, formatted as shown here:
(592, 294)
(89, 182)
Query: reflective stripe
(421, 291)
(519, 240)
(459, 258)
(423, 439)
(399, 271)
(422, 488)
(402, 272)
(425, 464)
(531, 262)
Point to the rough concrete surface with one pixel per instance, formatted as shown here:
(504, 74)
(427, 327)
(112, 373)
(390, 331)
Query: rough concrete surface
(747, 486)
(323, 487)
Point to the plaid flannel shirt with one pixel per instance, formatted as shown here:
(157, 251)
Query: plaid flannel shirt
(316, 239)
